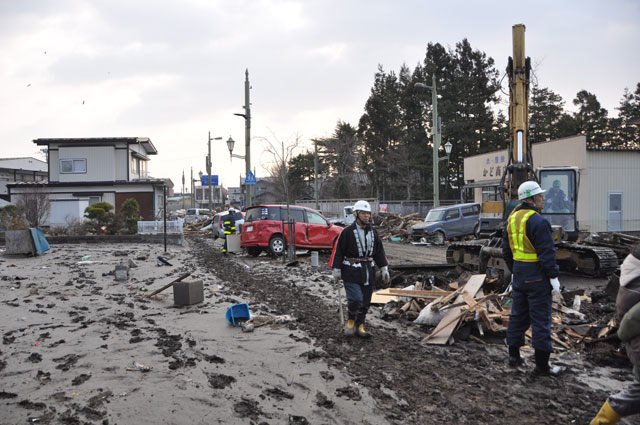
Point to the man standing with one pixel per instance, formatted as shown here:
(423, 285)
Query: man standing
(352, 260)
(627, 401)
(529, 253)
(229, 225)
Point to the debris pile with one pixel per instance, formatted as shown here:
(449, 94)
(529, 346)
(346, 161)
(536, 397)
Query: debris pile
(395, 227)
(619, 243)
(472, 310)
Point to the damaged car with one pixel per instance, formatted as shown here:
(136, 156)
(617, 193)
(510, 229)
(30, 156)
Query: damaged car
(445, 223)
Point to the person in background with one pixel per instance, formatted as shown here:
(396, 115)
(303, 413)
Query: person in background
(229, 225)
(530, 254)
(555, 199)
(627, 401)
(357, 250)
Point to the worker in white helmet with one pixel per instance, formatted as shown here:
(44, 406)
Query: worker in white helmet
(354, 255)
(530, 254)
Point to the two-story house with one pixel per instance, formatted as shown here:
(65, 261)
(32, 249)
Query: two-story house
(20, 170)
(83, 171)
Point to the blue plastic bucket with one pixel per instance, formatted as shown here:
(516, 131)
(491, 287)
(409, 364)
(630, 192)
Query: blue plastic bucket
(237, 312)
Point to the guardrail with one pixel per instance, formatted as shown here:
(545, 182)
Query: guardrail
(157, 227)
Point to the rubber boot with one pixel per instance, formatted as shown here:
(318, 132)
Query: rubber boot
(542, 365)
(350, 327)
(605, 416)
(361, 332)
(514, 357)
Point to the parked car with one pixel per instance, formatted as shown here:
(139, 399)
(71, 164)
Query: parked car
(444, 223)
(218, 221)
(196, 215)
(264, 229)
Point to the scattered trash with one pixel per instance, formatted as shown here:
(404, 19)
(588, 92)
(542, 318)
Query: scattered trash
(139, 367)
(86, 257)
(143, 289)
(163, 261)
(294, 263)
(132, 264)
(36, 344)
(246, 327)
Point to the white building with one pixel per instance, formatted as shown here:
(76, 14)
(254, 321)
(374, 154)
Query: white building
(83, 171)
(608, 196)
(20, 170)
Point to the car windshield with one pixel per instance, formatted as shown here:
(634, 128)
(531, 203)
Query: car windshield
(435, 215)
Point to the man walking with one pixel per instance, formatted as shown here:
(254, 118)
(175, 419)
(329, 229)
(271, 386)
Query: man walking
(357, 250)
(229, 225)
(529, 253)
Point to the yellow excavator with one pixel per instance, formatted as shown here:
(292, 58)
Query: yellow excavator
(484, 254)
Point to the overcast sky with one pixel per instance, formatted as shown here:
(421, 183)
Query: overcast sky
(174, 70)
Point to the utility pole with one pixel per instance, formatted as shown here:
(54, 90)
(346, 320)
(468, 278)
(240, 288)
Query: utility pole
(192, 189)
(209, 173)
(436, 143)
(315, 173)
(183, 189)
(247, 135)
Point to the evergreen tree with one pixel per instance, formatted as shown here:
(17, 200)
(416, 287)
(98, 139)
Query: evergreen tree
(339, 155)
(546, 109)
(380, 130)
(628, 135)
(591, 118)
(301, 176)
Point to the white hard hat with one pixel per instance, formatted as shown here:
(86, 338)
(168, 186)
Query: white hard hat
(231, 210)
(529, 189)
(362, 206)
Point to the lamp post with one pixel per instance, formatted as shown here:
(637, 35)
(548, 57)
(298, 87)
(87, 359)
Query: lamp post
(247, 136)
(435, 130)
(200, 174)
(209, 173)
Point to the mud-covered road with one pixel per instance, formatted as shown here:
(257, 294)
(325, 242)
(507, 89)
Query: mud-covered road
(412, 383)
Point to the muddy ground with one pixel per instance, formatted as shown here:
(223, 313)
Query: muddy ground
(413, 383)
(80, 347)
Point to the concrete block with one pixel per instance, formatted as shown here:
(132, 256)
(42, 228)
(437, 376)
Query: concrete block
(122, 272)
(188, 293)
(19, 242)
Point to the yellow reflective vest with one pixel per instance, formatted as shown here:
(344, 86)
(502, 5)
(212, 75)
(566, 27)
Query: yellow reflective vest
(521, 247)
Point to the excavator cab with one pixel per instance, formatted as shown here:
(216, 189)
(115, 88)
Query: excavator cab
(561, 198)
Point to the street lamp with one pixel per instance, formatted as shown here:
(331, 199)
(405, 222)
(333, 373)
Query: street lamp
(436, 138)
(209, 173)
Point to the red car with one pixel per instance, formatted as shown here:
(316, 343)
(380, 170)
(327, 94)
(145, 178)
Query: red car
(264, 229)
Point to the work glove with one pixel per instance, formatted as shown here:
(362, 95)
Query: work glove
(337, 274)
(386, 278)
(555, 284)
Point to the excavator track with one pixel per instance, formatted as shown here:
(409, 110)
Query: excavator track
(586, 259)
(571, 257)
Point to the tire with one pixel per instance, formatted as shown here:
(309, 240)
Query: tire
(277, 245)
(254, 251)
(438, 238)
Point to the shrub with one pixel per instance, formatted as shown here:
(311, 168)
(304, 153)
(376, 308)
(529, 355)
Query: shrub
(100, 214)
(12, 217)
(130, 212)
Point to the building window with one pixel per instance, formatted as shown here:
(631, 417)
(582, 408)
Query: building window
(94, 200)
(73, 166)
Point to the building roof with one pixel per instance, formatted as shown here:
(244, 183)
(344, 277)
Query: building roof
(612, 149)
(144, 141)
(24, 163)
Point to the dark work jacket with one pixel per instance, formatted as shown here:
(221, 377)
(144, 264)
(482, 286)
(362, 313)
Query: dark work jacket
(347, 247)
(629, 296)
(229, 223)
(539, 233)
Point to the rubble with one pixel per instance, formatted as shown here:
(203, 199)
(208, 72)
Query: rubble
(393, 226)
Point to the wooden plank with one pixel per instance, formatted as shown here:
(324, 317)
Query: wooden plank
(607, 329)
(413, 293)
(157, 291)
(451, 319)
(382, 297)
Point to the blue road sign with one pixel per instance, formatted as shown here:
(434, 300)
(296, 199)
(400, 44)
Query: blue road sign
(205, 180)
(250, 179)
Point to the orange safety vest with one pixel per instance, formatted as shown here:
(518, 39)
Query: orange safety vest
(521, 247)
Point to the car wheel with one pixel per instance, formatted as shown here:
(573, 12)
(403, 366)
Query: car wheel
(276, 245)
(254, 251)
(438, 238)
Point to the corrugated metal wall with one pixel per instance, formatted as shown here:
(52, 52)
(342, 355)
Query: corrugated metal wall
(606, 172)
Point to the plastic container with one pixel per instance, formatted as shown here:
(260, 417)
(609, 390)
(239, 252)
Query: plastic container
(237, 312)
(314, 258)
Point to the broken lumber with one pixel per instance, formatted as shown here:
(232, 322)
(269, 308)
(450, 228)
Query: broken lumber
(450, 321)
(157, 291)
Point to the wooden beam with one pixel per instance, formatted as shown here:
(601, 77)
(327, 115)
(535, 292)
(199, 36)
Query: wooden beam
(451, 319)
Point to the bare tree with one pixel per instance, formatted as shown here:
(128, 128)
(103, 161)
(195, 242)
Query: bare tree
(279, 170)
(36, 205)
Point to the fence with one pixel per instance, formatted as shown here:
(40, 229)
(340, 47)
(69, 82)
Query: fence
(333, 207)
(156, 227)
